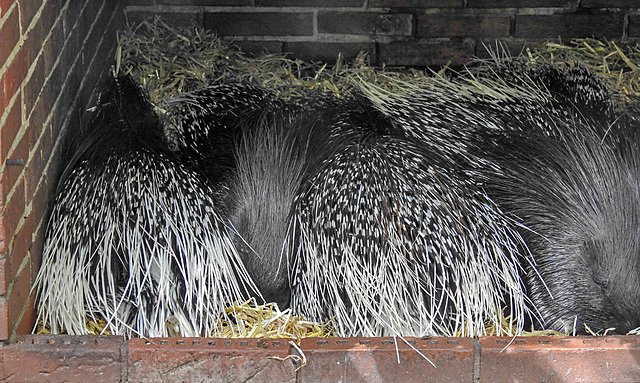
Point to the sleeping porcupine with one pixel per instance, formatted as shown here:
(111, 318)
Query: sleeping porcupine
(555, 154)
(134, 236)
(577, 190)
(394, 240)
(473, 140)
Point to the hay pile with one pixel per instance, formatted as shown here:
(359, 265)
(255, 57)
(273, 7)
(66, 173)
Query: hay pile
(246, 320)
(168, 61)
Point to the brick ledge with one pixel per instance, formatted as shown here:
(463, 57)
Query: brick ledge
(57, 358)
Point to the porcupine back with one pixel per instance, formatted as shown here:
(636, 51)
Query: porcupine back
(394, 240)
(550, 147)
(578, 193)
(134, 236)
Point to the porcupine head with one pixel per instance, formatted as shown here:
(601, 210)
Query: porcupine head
(587, 239)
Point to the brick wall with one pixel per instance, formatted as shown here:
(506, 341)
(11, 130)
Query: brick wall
(51, 55)
(397, 32)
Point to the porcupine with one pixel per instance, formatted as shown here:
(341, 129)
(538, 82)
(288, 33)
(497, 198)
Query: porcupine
(556, 156)
(235, 134)
(392, 239)
(578, 193)
(134, 236)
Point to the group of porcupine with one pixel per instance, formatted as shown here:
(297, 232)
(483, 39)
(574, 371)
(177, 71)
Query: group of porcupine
(511, 192)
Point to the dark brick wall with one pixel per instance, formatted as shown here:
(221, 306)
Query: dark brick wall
(397, 32)
(52, 54)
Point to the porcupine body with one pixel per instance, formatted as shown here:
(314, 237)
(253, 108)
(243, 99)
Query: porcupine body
(393, 240)
(578, 193)
(554, 153)
(134, 236)
(237, 135)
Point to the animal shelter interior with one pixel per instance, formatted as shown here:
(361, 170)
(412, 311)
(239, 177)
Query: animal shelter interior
(306, 190)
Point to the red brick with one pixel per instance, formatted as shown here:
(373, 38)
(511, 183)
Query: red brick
(3, 101)
(520, 3)
(4, 239)
(15, 74)
(361, 23)
(10, 128)
(13, 210)
(560, 359)
(4, 322)
(9, 35)
(387, 360)
(328, 51)
(33, 87)
(603, 25)
(57, 358)
(3, 275)
(35, 39)
(18, 157)
(28, 319)
(416, 3)
(4, 6)
(309, 3)
(453, 25)
(424, 53)
(20, 246)
(260, 23)
(15, 163)
(28, 9)
(18, 296)
(206, 359)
